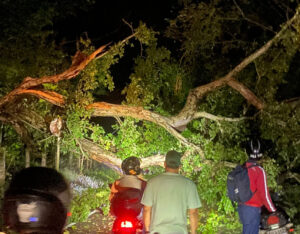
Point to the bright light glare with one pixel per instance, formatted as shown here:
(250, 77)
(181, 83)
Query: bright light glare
(126, 224)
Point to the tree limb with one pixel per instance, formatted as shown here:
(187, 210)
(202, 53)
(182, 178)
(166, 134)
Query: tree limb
(218, 118)
(80, 61)
(190, 108)
(250, 20)
(107, 109)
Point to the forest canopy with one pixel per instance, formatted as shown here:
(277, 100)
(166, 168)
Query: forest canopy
(218, 74)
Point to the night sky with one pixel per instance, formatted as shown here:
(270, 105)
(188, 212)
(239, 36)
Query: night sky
(103, 23)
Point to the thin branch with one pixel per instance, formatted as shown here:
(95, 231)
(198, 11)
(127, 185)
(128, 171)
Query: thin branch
(80, 147)
(291, 175)
(257, 72)
(118, 120)
(219, 118)
(29, 124)
(129, 25)
(122, 42)
(45, 139)
(293, 163)
(250, 20)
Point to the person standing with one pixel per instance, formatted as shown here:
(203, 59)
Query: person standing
(167, 199)
(249, 212)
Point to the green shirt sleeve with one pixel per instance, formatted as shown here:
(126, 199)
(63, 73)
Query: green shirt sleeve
(193, 197)
(147, 199)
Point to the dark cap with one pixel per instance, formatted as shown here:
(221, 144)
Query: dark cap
(173, 159)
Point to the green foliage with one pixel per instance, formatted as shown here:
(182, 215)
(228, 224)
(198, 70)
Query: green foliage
(141, 139)
(211, 38)
(27, 45)
(14, 148)
(201, 24)
(291, 193)
(102, 173)
(218, 223)
(86, 202)
(90, 199)
(79, 126)
(158, 82)
(273, 172)
(217, 212)
(280, 123)
(145, 35)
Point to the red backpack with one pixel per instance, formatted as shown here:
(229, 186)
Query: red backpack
(128, 200)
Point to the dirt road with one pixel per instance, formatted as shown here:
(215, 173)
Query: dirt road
(95, 224)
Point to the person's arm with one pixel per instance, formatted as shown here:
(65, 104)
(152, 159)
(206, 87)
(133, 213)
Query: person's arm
(193, 220)
(147, 217)
(113, 190)
(264, 191)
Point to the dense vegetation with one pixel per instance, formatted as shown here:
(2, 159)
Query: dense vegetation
(221, 73)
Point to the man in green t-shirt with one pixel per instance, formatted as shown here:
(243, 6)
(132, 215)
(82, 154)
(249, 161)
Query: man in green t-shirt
(168, 197)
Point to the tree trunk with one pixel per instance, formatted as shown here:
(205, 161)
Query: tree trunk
(2, 167)
(27, 157)
(79, 163)
(2, 179)
(44, 160)
(70, 161)
(57, 159)
(2, 162)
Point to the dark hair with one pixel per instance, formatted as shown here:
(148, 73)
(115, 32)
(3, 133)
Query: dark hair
(131, 166)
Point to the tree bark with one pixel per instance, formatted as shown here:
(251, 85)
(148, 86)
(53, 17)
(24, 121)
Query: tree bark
(79, 163)
(44, 159)
(70, 160)
(57, 156)
(2, 167)
(2, 162)
(27, 157)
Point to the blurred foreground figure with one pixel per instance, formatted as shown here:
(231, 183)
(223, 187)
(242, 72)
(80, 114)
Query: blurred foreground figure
(37, 201)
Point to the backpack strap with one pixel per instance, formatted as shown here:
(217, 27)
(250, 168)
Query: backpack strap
(254, 164)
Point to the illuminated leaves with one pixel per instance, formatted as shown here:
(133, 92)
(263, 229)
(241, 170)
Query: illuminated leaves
(134, 138)
(157, 81)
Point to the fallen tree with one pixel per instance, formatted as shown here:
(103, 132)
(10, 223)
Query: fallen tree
(31, 86)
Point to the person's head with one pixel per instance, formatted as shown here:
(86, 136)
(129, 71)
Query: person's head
(254, 152)
(131, 166)
(173, 160)
(37, 201)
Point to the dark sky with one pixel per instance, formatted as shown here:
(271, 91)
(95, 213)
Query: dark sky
(103, 21)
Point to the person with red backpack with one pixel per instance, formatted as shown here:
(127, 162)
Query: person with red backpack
(130, 185)
(249, 211)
